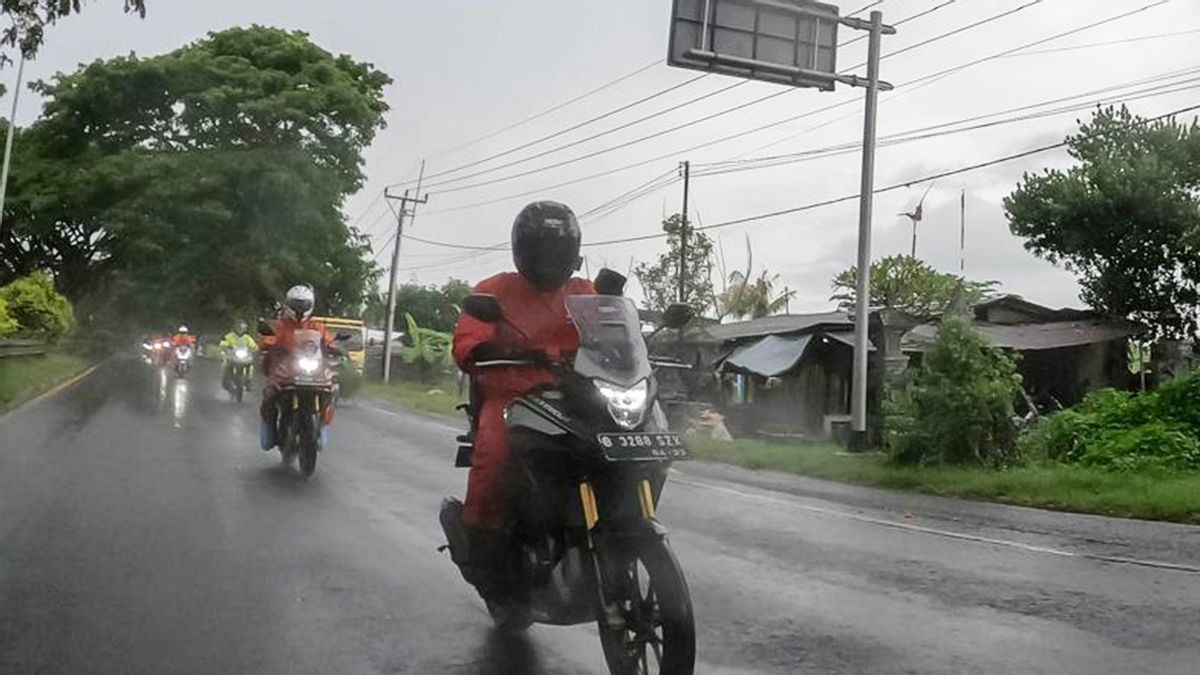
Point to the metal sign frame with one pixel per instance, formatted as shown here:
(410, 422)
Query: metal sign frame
(790, 42)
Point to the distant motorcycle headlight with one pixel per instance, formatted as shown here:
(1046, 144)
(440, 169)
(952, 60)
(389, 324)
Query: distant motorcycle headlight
(241, 353)
(627, 406)
(308, 364)
(184, 353)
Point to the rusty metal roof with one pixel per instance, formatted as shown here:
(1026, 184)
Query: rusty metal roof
(1030, 336)
(778, 325)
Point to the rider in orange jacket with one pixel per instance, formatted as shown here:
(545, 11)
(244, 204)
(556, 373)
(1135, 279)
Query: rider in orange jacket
(545, 247)
(277, 344)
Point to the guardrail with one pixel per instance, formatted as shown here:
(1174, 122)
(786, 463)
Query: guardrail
(9, 348)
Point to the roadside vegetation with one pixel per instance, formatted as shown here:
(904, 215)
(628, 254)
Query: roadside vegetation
(952, 432)
(1154, 495)
(438, 398)
(30, 309)
(24, 378)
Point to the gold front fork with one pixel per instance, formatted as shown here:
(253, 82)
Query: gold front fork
(591, 512)
(646, 495)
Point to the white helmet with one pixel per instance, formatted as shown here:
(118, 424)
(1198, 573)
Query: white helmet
(299, 301)
(182, 329)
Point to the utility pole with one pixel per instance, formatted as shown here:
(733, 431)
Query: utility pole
(8, 143)
(962, 231)
(404, 200)
(858, 401)
(685, 167)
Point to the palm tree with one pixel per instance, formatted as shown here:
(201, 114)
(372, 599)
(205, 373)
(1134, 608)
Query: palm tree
(745, 299)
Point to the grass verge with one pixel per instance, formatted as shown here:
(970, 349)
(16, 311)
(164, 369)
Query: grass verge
(22, 378)
(1154, 496)
(433, 398)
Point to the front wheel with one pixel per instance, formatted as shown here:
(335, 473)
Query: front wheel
(308, 438)
(653, 630)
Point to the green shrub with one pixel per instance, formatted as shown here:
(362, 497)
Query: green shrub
(39, 310)
(8, 325)
(1123, 431)
(1154, 445)
(958, 406)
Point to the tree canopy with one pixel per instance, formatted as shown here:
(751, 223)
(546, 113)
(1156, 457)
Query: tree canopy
(432, 307)
(660, 279)
(1126, 218)
(200, 183)
(909, 285)
(28, 20)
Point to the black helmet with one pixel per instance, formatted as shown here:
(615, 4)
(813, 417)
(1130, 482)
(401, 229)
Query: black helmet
(545, 244)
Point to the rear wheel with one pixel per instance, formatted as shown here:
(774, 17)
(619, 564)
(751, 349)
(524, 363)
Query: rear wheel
(654, 631)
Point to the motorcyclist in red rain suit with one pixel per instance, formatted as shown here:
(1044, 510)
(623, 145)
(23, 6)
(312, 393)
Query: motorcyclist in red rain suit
(277, 344)
(545, 247)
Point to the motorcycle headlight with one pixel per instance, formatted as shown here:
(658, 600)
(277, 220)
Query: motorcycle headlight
(627, 406)
(308, 364)
(241, 353)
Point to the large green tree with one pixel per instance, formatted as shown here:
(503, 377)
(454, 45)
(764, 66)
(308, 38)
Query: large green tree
(660, 280)
(430, 306)
(1125, 218)
(908, 284)
(200, 183)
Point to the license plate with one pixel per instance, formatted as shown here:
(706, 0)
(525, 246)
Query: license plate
(642, 446)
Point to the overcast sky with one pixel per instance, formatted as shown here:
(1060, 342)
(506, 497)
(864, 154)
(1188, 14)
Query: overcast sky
(465, 68)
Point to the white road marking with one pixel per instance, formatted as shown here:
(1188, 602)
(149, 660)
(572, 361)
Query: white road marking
(835, 513)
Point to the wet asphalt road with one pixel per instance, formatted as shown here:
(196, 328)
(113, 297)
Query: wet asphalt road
(141, 531)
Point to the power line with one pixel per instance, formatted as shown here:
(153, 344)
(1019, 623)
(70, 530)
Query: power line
(611, 148)
(901, 22)
(890, 188)
(1106, 43)
(549, 110)
(895, 186)
(638, 121)
(921, 133)
(593, 137)
(560, 132)
(920, 81)
(691, 123)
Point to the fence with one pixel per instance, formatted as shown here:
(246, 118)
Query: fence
(10, 348)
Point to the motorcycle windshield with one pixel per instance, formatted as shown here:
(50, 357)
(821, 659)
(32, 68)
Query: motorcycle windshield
(611, 347)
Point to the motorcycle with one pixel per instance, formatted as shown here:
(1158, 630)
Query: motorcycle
(304, 399)
(241, 366)
(588, 461)
(183, 360)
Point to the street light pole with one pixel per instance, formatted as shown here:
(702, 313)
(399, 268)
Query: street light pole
(8, 143)
(858, 401)
(683, 234)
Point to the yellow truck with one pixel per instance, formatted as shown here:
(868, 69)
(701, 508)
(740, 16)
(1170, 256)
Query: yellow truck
(356, 347)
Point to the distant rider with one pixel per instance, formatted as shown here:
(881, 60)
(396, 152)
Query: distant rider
(545, 248)
(238, 337)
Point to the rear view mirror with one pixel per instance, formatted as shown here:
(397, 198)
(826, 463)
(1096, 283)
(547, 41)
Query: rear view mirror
(677, 316)
(483, 307)
(342, 336)
(609, 282)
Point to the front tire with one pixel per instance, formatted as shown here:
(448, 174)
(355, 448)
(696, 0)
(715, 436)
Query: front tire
(509, 617)
(308, 443)
(658, 631)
